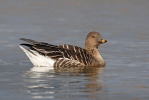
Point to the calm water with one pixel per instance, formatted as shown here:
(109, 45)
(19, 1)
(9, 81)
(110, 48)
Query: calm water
(125, 25)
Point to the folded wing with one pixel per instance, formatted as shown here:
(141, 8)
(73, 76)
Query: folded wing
(66, 54)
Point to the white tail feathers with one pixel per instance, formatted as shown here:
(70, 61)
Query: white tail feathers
(38, 59)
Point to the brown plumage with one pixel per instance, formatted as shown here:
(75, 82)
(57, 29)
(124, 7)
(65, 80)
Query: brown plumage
(68, 55)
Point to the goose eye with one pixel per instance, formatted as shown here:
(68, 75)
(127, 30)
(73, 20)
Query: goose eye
(93, 36)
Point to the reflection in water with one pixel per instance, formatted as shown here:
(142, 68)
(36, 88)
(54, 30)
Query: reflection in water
(85, 83)
(95, 84)
(37, 84)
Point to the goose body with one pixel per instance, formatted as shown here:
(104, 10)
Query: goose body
(56, 56)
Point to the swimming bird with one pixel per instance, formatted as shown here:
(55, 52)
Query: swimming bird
(64, 55)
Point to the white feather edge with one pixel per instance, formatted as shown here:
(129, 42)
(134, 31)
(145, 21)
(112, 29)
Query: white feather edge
(41, 63)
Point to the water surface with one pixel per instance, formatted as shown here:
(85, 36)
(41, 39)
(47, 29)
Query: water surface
(124, 24)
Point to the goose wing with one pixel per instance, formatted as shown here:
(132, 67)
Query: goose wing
(61, 52)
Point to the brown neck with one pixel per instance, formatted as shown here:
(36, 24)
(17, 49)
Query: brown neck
(96, 54)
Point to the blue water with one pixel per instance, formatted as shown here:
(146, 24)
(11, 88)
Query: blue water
(124, 24)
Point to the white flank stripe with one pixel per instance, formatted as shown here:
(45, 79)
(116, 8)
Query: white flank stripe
(39, 60)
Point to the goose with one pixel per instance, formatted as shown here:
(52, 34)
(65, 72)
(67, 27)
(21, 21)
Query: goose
(43, 54)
